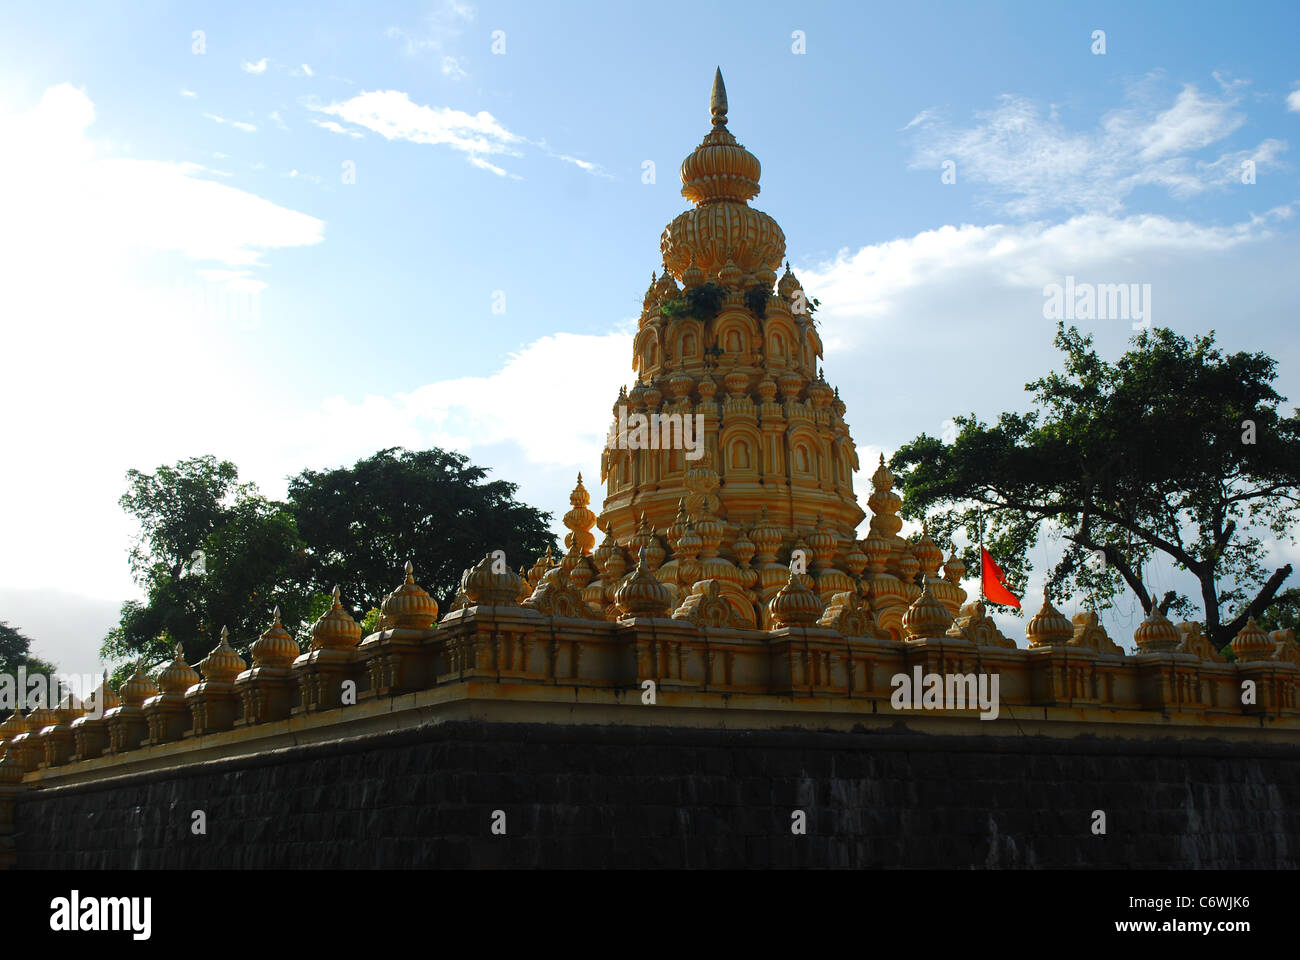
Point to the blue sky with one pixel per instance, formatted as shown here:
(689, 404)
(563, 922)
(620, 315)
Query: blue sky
(145, 187)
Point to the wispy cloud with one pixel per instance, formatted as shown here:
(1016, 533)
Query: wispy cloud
(190, 94)
(237, 124)
(393, 115)
(334, 127)
(1293, 100)
(1031, 163)
(443, 24)
(451, 68)
(258, 67)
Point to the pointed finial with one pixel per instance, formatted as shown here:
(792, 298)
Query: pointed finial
(882, 459)
(718, 100)
(224, 635)
(579, 477)
(337, 601)
(276, 613)
(179, 652)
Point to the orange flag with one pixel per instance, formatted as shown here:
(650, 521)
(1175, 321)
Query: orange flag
(995, 583)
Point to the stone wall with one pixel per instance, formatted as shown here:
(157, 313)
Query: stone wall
(594, 796)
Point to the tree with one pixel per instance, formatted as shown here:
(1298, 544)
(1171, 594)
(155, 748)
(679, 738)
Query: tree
(1175, 451)
(432, 507)
(212, 553)
(15, 652)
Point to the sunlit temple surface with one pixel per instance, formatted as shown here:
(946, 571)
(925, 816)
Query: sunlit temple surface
(721, 585)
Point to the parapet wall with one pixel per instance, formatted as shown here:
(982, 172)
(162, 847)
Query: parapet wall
(591, 679)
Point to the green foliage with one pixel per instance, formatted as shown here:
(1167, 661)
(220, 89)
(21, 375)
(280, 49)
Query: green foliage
(756, 301)
(431, 507)
(1136, 459)
(702, 303)
(214, 552)
(15, 652)
(371, 622)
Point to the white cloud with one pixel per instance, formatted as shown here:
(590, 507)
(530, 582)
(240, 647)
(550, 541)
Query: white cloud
(1293, 100)
(113, 369)
(307, 70)
(237, 124)
(391, 114)
(258, 67)
(277, 119)
(334, 127)
(189, 94)
(867, 292)
(1033, 164)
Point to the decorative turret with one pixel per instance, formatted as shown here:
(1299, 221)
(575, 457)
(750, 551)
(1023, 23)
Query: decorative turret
(410, 607)
(1252, 643)
(641, 594)
(222, 664)
(1156, 634)
(1048, 627)
(926, 617)
(177, 676)
(335, 630)
(794, 604)
(276, 648)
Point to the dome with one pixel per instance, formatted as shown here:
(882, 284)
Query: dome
(410, 605)
(642, 595)
(1048, 627)
(276, 648)
(794, 604)
(136, 689)
(926, 617)
(1156, 634)
(335, 630)
(719, 177)
(1252, 643)
(223, 664)
(178, 676)
(720, 168)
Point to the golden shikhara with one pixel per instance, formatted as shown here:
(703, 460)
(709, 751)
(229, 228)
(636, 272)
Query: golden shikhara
(772, 480)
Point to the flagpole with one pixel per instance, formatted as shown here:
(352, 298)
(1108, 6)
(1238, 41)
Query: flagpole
(980, 516)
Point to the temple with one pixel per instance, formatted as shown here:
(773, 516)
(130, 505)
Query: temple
(723, 584)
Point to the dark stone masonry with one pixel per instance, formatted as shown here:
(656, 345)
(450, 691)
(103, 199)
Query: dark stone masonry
(587, 796)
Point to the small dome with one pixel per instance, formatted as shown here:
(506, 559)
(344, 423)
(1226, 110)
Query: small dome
(222, 664)
(926, 617)
(410, 606)
(788, 284)
(485, 585)
(642, 595)
(276, 648)
(720, 168)
(794, 604)
(1252, 643)
(335, 630)
(137, 688)
(178, 676)
(1048, 627)
(1156, 634)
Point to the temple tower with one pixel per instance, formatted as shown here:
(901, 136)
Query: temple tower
(723, 343)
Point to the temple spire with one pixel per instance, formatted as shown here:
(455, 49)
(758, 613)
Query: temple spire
(718, 100)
